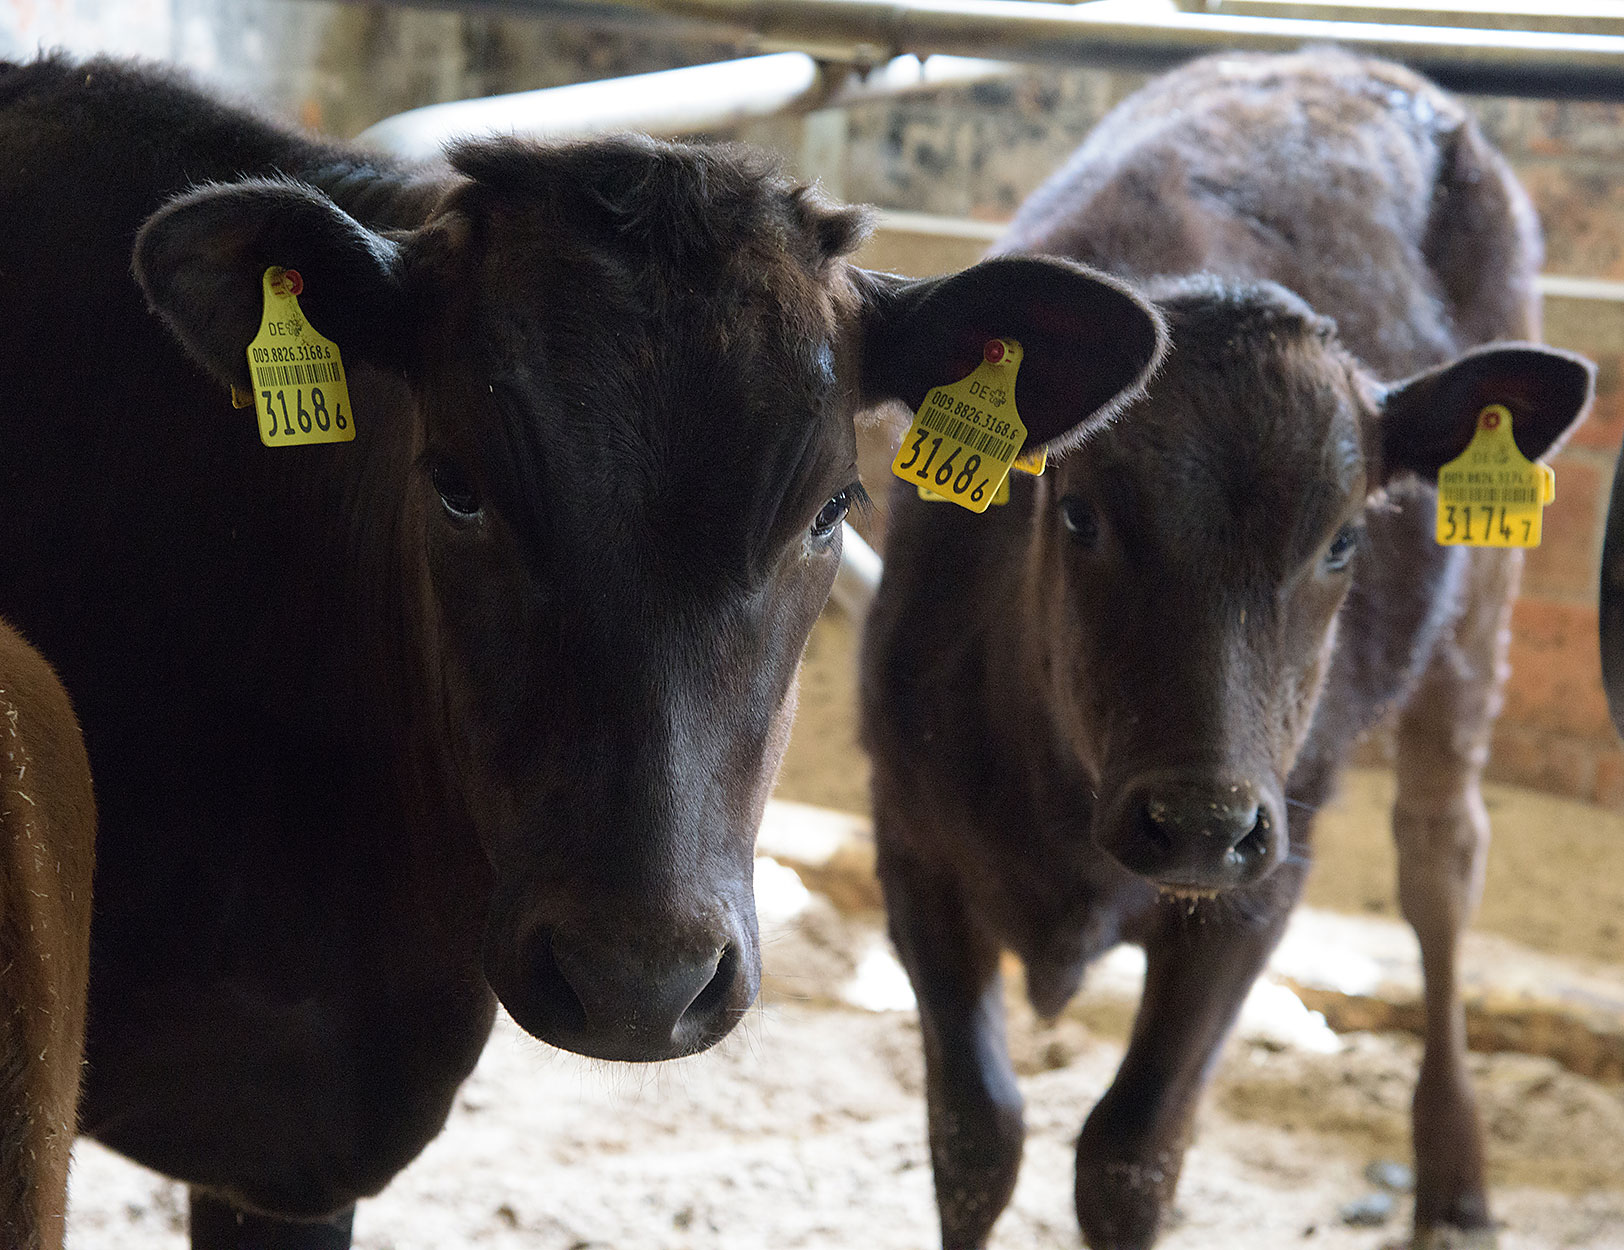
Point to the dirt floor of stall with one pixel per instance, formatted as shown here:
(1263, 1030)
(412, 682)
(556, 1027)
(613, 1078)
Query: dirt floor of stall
(806, 1128)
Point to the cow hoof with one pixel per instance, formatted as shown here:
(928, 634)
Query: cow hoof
(1448, 1237)
(1120, 1204)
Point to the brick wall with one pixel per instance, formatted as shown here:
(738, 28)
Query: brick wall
(970, 153)
(1555, 733)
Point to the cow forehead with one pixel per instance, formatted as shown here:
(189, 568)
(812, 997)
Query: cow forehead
(683, 430)
(656, 327)
(644, 319)
(1244, 454)
(642, 229)
(718, 376)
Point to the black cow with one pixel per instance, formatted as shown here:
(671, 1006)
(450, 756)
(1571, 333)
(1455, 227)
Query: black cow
(489, 698)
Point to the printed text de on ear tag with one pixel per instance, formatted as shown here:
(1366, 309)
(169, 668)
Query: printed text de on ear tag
(300, 393)
(1491, 495)
(966, 435)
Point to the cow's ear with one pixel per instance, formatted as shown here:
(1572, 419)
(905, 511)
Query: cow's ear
(200, 260)
(1088, 341)
(1428, 420)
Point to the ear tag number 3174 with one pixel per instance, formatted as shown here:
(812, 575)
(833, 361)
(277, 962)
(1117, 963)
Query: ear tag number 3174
(966, 435)
(300, 393)
(1491, 495)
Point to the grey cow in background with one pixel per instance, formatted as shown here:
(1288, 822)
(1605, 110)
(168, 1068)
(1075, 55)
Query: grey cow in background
(1109, 711)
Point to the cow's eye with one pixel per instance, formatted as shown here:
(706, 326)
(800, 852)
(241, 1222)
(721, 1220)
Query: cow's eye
(831, 514)
(1079, 518)
(1342, 549)
(456, 489)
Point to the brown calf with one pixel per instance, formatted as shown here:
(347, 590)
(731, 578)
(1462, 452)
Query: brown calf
(1108, 711)
(47, 848)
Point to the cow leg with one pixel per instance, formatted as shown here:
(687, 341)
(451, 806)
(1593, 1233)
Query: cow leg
(217, 1225)
(1131, 1149)
(974, 1107)
(1442, 831)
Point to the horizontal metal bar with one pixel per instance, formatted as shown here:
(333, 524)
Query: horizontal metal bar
(1575, 17)
(1116, 35)
(670, 102)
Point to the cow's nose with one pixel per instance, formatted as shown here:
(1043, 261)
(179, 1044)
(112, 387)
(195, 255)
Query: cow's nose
(1196, 833)
(635, 1004)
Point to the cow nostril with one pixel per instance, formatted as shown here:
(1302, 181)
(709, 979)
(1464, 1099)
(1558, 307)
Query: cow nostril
(551, 985)
(1153, 821)
(718, 989)
(1253, 845)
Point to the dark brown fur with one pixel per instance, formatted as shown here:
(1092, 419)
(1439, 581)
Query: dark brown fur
(488, 699)
(47, 849)
(1109, 711)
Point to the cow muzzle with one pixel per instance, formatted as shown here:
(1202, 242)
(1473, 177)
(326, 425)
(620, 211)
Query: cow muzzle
(659, 993)
(1193, 831)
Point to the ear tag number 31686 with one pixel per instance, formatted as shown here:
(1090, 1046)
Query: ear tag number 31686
(966, 435)
(1491, 495)
(300, 393)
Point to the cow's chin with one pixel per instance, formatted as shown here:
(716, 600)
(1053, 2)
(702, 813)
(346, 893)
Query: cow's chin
(634, 998)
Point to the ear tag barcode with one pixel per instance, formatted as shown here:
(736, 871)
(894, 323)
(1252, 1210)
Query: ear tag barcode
(966, 435)
(1491, 495)
(300, 393)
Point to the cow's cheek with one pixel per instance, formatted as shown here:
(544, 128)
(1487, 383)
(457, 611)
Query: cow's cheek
(1081, 690)
(484, 658)
(772, 757)
(797, 597)
(1301, 693)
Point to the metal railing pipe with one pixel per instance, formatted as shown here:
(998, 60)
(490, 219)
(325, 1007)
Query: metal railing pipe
(668, 102)
(1571, 17)
(690, 100)
(1117, 35)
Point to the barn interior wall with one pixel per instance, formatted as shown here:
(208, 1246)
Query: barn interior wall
(971, 152)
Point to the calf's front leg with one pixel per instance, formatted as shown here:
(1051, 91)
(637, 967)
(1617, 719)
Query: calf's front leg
(1442, 830)
(973, 1105)
(1131, 1150)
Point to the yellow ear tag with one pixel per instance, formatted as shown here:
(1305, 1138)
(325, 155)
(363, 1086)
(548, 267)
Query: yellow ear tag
(966, 435)
(1491, 495)
(300, 394)
(1033, 462)
(999, 499)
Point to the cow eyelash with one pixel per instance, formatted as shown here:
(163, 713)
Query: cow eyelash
(837, 508)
